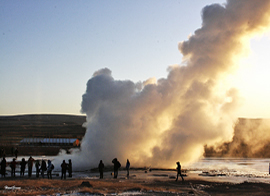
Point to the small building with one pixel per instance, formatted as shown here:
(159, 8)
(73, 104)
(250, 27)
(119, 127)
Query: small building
(67, 142)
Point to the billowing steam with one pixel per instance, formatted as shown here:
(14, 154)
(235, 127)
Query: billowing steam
(251, 139)
(158, 123)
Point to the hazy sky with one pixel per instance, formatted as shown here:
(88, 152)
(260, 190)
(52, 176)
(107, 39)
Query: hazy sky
(50, 49)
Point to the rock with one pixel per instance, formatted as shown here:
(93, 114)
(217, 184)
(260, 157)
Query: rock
(86, 184)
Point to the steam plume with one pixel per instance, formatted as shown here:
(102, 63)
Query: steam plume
(251, 139)
(159, 123)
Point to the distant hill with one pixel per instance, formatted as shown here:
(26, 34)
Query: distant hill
(14, 128)
(251, 136)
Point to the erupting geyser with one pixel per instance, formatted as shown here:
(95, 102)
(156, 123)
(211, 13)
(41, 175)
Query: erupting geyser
(160, 123)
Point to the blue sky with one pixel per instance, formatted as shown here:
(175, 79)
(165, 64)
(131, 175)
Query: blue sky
(50, 49)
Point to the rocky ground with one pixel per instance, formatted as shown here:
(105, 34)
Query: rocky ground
(123, 186)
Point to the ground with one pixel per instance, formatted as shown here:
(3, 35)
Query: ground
(123, 186)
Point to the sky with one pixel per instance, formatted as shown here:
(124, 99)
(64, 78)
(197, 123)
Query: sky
(50, 49)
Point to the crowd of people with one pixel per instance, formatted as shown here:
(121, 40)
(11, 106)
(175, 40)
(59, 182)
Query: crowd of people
(116, 167)
(41, 166)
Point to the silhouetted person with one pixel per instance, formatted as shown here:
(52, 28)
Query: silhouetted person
(12, 151)
(37, 165)
(179, 171)
(116, 166)
(3, 167)
(43, 168)
(69, 168)
(127, 167)
(49, 170)
(30, 166)
(16, 153)
(64, 169)
(13, 167)
(100, 169)
(2, 152)
(23, 163)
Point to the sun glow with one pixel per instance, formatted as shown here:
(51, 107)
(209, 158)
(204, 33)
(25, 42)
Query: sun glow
(253, 81)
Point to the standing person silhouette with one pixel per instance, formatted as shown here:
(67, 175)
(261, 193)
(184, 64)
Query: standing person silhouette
(16, 153)
(49, 170)
(30, 166)
(13, 167)
(37, 165)
(2, 152)
(23, 163)
(43, 168)
(100, 169)
(69, 168)
(64, 169)
(127, 167)
(116, 166)
(3, 167)
(179, 171)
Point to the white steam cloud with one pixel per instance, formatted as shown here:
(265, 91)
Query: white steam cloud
(160, 122)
